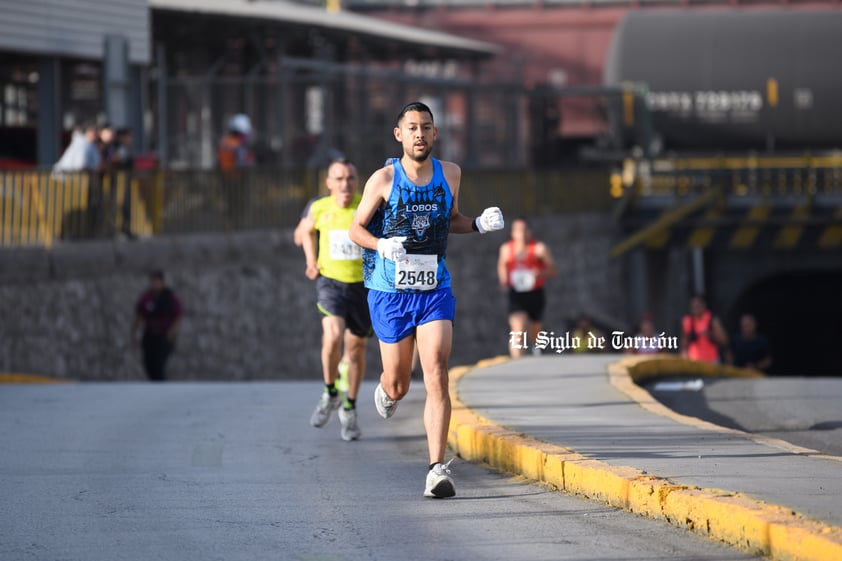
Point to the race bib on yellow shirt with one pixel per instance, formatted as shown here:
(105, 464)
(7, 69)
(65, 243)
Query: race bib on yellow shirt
(342, 248)
(416, 272)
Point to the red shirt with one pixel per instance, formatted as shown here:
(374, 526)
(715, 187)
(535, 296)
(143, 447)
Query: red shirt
(703, 347)
(158, 311)
(529, 267)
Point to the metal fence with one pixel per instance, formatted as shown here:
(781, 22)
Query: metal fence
(213, 201)
(763, 176)
(40, 208)
(305, 112)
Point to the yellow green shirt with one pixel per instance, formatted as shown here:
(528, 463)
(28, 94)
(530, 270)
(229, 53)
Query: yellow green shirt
(339, 258)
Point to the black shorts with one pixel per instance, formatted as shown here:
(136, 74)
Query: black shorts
(531, 302)
(346, 300)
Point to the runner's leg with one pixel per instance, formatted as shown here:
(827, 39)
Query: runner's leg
(355, 352)
(434, 346)
(332, 329)
(518, 322)
(397, 367)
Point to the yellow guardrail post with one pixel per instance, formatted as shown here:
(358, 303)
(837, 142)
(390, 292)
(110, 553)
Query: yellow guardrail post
(20, 209)
(5, 211)
(158, 202)
(120, 199)
(40, 225)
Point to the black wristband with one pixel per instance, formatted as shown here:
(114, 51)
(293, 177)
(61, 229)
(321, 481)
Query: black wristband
(474, 226)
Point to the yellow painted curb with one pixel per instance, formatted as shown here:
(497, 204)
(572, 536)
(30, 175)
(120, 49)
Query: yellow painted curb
(754, 526)
(628, 373)
(10, 378)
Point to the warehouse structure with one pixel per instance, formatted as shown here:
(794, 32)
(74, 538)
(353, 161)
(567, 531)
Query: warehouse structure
(174, 71)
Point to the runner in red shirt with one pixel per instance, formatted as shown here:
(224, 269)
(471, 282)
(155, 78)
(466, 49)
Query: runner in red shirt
(523, 265)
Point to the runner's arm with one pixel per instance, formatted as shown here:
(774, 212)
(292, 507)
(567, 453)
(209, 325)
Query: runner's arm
(546, 255)
(301, 228)
(308, 244)
(373, 197)
(299, 232)
(502, 269)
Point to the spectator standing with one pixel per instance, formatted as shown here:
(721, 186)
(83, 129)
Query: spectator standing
(122, 163)
(159, 311)
(107, 145)
(234, 155)
(122, 156)
(82, 153)
(702, 333)
(82, 156)
(234, 151)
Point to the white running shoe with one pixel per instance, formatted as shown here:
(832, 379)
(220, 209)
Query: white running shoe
(385, 406)
(348, 420)
(439, 482)
(327, 405)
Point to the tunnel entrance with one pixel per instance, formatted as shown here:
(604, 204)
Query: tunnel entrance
(801, 315)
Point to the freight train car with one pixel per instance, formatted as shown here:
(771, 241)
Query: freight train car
(728, 80)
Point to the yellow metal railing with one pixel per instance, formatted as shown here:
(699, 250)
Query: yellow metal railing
(42, 208)
(751, 175)
(38, 208)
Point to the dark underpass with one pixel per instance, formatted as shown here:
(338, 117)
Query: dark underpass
(801, 314)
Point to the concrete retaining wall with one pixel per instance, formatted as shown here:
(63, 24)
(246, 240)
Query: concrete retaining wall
(250, 311)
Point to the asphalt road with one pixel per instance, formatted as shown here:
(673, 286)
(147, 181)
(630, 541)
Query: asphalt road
(233, 472)
(803, 411)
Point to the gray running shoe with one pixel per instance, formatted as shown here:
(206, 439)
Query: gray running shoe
(385, 406)
(439, 483)
(348, 420)
(327, 405)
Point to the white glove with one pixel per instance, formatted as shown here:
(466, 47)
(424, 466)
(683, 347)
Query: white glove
(490, 220)
(391, 248)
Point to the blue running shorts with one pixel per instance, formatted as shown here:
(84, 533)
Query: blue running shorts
(395, 315)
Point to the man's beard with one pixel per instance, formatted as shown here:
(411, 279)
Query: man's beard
(422, 157)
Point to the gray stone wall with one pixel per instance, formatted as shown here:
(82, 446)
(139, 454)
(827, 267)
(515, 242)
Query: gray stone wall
(249, 310)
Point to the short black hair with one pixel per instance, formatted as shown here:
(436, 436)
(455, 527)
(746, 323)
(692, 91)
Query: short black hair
(157, 274)
(413, 106)
(340, 160)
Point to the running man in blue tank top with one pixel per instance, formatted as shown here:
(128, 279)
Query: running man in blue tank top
(408, 208)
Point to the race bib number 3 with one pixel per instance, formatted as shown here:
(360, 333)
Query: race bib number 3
(417, 272)
(342, 248)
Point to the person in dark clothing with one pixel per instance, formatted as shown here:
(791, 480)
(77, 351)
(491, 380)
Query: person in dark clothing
(122, 163)
(159, 311)
(750, 349)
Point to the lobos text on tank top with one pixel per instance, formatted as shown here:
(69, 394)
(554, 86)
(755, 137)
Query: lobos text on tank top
(421, 213)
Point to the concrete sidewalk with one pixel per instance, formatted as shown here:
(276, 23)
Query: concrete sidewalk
(564, 421)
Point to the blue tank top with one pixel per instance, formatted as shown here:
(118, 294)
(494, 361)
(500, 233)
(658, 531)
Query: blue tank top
(422, 214)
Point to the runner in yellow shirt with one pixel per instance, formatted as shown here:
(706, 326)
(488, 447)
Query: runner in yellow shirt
(341, 295)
